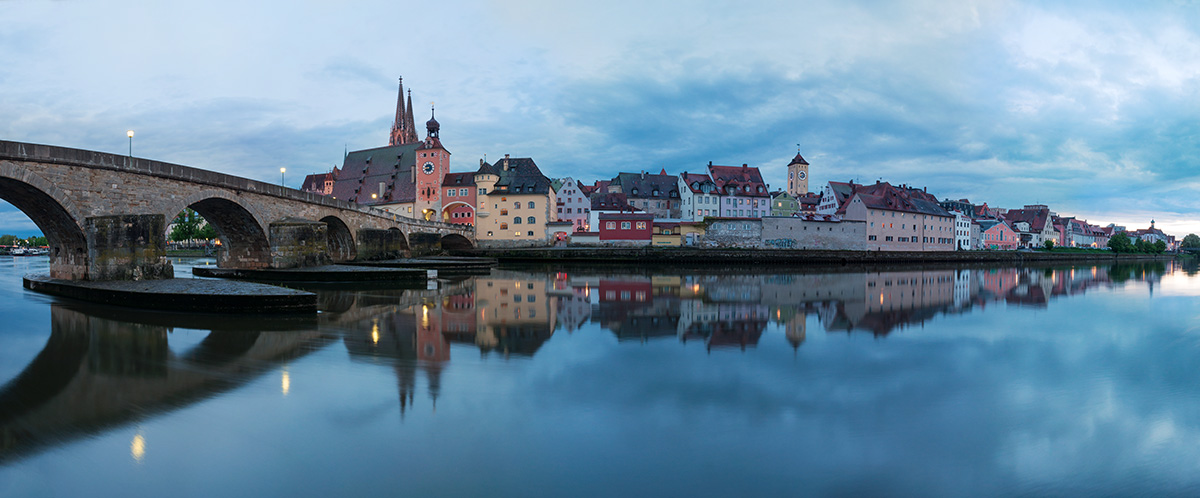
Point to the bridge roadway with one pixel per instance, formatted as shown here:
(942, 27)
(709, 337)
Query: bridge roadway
(106, 215)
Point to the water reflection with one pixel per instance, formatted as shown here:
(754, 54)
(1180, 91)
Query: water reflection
(104, 367)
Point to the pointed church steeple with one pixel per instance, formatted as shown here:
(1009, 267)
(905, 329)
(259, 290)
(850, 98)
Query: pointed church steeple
(397, 136)
(410, 127)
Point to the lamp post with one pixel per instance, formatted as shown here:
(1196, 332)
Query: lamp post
(281, 177)
(129, 133)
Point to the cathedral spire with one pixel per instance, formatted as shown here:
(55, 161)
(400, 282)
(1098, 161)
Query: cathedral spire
(397, 136)
(410, 128)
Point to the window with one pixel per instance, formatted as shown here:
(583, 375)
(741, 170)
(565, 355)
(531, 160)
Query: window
(503, 212)
(531, 233)
(489, 235)
(888, 238)
(870, 237)
(641, 225)
(530, 298)
(517, 220)
(450, 193)
(560, 210)
(517, 205)
(483, 191)
(531, 220)
(462, 192)
(610, 225)
(504, 226)
(625, 225)
(530, 204)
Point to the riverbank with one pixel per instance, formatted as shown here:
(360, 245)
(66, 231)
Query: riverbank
(690, 256)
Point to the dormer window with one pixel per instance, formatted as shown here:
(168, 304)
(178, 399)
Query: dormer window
(635, 191)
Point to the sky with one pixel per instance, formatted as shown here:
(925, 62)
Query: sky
(1089, 107)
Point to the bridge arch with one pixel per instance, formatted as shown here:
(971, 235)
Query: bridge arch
(244, 243)
(456, 242)
(340, 245)
(53, 213)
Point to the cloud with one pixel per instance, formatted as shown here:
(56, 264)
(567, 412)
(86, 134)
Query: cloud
(1005, 102)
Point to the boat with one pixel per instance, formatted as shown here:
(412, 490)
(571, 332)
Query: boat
(19, 251)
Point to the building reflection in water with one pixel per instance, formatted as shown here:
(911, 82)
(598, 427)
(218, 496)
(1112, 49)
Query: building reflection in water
(102, 367)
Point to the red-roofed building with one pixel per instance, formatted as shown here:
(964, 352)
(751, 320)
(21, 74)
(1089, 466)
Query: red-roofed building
(742, 190)
(900, 218)
(1034, 225)
(698, 196)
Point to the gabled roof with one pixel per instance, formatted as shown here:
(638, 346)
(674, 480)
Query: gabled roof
(798, 160)
(738, 180)
(885, 196)
(520, 175)
(363, 170)
(1037, 218)
(985, 225)
(458, 180)
(610, 201)
(696, 181)
(647, 186)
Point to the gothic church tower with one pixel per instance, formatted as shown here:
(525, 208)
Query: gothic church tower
(403, 129)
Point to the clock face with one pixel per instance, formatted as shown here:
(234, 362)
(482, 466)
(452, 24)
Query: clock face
(802, 175)
(427, 168)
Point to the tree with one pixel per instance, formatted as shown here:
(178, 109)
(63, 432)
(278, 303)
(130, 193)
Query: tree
(1141, 246)
(1191, 240)
(8, 240)
(1049, 245)
(37, 241)
(187, 226)
(1160, 246)
(1119, 242)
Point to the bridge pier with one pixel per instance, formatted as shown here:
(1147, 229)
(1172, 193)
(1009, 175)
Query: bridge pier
(127, 247)
(298, 243)
(425, 244)
(374, 244)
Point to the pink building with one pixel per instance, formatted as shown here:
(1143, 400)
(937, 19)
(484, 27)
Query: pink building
(998, 235)
(458, 198)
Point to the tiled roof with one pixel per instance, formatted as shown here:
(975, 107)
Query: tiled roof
(363, 171)
(458, 179)
(1035, 217)
(739, 180)
(520, 175)
(888, 197)
(647, 186)
(609, 201)
(695, 182)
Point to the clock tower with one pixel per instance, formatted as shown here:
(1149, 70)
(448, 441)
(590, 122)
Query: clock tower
(433, 162)
(797, 176)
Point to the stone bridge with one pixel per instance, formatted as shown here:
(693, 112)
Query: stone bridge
(106, 215)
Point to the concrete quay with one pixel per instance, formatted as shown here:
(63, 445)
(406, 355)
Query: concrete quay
(186, 295)
(321, 274)
(445, 265)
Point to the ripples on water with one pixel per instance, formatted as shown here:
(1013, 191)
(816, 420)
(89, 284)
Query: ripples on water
(995, 381)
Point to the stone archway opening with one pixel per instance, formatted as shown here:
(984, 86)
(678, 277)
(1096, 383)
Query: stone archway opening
(68, 244)
(455, 242)
(340, 241)
(240, 241)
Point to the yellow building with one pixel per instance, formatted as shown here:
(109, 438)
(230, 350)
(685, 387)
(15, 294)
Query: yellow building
(514, 204)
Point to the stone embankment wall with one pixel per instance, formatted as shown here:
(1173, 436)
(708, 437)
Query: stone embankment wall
(768, 257)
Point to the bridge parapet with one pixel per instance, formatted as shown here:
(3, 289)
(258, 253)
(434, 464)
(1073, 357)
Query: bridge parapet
(80, 198)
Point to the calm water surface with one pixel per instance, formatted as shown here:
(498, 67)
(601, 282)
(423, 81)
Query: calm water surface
(1046, 381)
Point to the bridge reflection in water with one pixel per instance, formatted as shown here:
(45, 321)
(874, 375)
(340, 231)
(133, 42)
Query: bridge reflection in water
(102, 367)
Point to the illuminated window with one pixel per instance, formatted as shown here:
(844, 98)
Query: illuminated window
(504, 226)
(641, 225)
(610, 225)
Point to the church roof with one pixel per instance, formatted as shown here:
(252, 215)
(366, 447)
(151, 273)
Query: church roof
(363, 170)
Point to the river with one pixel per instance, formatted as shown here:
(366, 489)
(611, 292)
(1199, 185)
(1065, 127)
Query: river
(1067, 380)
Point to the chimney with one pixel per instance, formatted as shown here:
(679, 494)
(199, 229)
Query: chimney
(381, 187)
(710, 163)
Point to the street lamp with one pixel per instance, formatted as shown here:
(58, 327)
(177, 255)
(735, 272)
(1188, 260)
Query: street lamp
(281, 172)
(129, 133)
